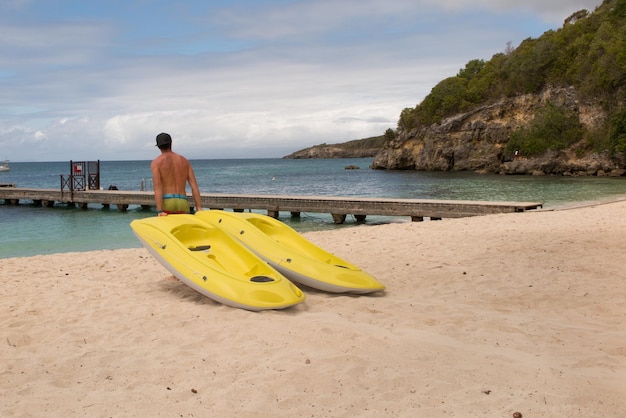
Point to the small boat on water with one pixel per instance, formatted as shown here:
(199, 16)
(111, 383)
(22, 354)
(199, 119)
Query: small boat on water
(291, 254)
(4, 166)
(215, 264)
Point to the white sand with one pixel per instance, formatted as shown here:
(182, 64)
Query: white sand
(482, 316)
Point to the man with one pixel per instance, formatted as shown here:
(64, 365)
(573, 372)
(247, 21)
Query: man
(170, 174)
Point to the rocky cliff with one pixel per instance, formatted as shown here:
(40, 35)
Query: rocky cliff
(476, 141)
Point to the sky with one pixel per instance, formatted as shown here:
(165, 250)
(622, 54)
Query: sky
(98, 80)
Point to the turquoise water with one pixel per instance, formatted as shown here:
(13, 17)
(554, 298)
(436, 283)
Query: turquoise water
(27, 230)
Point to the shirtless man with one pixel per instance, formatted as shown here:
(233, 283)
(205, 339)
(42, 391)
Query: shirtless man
(170, 174)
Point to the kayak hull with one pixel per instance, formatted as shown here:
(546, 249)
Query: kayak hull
(213, 263)
(291, 254)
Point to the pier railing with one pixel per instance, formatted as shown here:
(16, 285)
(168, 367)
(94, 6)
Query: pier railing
(338, 207)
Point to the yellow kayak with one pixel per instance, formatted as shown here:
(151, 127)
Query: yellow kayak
(212, 262)
(291, 254)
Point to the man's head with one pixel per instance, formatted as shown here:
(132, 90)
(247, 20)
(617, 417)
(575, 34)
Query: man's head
(164, 141)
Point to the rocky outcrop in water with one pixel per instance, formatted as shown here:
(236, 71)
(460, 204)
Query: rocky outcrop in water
(476, 141)
(332, 151)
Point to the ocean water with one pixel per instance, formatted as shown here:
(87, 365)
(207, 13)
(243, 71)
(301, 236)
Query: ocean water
(27, 230)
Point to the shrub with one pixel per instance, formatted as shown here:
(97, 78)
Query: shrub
(617, 133)
(554, 128)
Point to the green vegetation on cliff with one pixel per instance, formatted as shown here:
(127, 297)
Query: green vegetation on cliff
(588, 53)
(553, 128)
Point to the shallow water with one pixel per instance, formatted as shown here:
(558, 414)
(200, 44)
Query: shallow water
(28, 230)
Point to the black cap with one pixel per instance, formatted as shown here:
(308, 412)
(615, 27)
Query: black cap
(163, 139)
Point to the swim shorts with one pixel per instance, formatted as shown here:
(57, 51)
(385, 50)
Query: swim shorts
(175, 204)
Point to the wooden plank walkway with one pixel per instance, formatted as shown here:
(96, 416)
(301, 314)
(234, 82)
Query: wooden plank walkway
(338, 207)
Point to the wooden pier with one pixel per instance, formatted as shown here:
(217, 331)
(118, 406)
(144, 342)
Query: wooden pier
(338, 207)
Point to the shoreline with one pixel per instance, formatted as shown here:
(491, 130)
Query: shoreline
(482, 316)
(585, 203)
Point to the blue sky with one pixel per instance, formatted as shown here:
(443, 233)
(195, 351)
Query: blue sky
(87, 80)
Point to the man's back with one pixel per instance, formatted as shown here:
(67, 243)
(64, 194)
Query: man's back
(171, 170)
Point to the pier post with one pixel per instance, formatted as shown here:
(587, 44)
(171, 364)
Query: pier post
(338, 218)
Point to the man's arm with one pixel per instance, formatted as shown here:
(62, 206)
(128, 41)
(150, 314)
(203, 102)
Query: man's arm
(158, 186)
(195, 190)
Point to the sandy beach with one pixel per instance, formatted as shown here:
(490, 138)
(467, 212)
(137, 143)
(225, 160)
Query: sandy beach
(484, 316)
